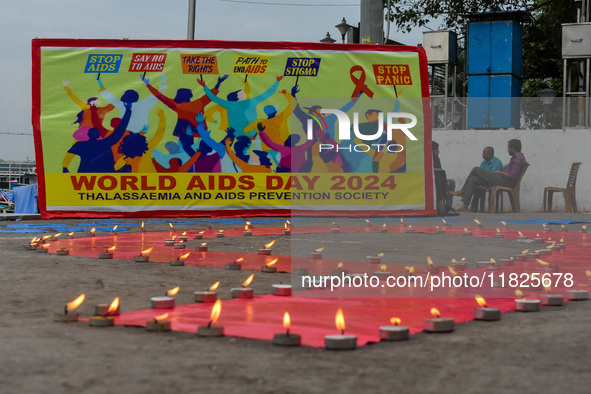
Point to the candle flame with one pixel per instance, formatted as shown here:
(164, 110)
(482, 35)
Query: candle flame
(435, 312)
(221, 231)
(46, 246)
(380, 255)
(520, 233)
(584, 227)
(268, 246)
(112, 248)
(161, 317)
(246, 227)
(480, 300)
(114, 305)
(70, 234)
(173, 291)
(410, 226)
(493, 261)
(588, 272)
(401, 220)
(239, 260)
(214, 286)
(171, 226)
(142, 225)
(498, 231)
(340, 320)
(395, 320)
(542, 262)
(201, 232)
(477, 221)
(366, 221)
(174, 237)
(115, 228)
(46, 237)
(410, 269)
(216, 310)
(272, 262)
(443, 220)
(551, 245)
(525, 251)
(70, 306)
(453, 261)
(92, 230)
(57, 235)
(248, 281)
(340, 266)
(184, 233)
(147, 251)
(452, 270)
(544, 225)
(463, 259)
(319, 250)
(465, 229)
(286, 226)
(286, 321)
(504, 223)
(561, 240)
(519, 293)
(184, 256)
(429, 261)
(384, 225)
(204, 243)
(383, 267)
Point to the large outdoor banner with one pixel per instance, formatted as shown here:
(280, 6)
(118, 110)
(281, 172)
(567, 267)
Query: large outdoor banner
(187, 128)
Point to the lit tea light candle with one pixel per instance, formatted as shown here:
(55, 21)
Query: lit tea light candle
(202, 247)
(92, 231)
(235, 265)
(367, 223)
(538, 239)
(170, 241)
(182, 237)
(409, 229)
(33, 244)
(114, 230)
(445, 223)
(62, 252)
(504, 224)
(281, 289)
(317, 254)
(287, 338)
(549, 299)
(545, 227)
(207, 296)
(467, 232)
(525, 304)
(143, 256)
(410, 271)
(374, 259)
(439, 230)
(478, 223)
(179, 261)
(439, 324)
(383, 274)
(269, 267)
(583, 229)
(71, 235)
(577, 295)
(43, 248)
(106, 320)
(384, 229)
(499, 234)
(179, 245)
(165, 302)
(220, 234)
(493, 266)
(521, 236)
(394, 332)
(547, 266)
(340, 341)
(402, 222)
(199, 235)
(108, 253)
(430, 268)
(459, 265)
(266, 250)
(522, 256)
(483, 312)
(561, 244)
(159, 323)
(563, 228)
(212, 330)
(335, 228)
(143, 228)
(287, 228)
(247, 232)
(66, 316)
(112, 309)
(244, 291)
(340, 271)
(55, 237)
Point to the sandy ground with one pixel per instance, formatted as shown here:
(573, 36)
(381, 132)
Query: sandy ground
(548, 351)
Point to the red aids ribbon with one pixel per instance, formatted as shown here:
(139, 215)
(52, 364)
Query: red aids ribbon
(360, 85)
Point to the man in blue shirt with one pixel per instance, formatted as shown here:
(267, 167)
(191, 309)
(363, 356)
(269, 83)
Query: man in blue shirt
(490, 162)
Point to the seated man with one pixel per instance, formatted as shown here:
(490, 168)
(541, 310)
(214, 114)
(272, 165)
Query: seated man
(483, 177)
(489, 162)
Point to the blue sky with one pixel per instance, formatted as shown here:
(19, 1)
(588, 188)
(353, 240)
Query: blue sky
(253, 20)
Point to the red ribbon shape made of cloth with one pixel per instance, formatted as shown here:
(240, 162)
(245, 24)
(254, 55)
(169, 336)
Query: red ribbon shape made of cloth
(360, 85)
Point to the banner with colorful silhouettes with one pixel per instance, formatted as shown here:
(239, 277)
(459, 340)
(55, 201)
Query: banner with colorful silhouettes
(216, 128)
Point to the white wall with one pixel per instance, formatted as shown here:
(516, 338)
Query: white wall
(549, 152)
